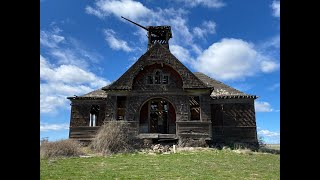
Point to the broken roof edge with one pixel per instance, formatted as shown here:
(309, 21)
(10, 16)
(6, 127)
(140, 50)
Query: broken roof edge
(96, 94)
(222, 90)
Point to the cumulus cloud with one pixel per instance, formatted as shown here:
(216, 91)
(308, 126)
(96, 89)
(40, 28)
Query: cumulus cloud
(128, 8)
(115, 43)
(59, 82)
(181, 53)
(275, 8)
(68, 71)
(263, 107)
(66, 74)
(231, 59)
(53, 127)
(205, 3)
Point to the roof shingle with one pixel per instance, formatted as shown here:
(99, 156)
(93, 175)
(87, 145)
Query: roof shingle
(221, 90)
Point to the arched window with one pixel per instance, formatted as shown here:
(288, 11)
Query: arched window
(94, 111)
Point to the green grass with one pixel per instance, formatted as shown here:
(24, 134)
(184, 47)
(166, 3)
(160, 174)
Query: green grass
(210, 164)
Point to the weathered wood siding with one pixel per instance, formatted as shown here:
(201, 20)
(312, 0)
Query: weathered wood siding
(174, 79)
(80, 112)
(194, 129)
(83, 132)
(233, 121)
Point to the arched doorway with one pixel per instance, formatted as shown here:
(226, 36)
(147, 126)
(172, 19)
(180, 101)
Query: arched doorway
(157, 116)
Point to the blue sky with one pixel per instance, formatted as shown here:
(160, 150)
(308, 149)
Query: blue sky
(85, 45)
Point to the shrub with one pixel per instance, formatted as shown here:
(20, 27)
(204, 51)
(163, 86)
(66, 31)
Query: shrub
(189, 142)
(61, 148)
(113, 137)
(261, 142)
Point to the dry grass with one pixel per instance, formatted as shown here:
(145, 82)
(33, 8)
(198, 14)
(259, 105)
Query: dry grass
(113, 137)
(62, 148)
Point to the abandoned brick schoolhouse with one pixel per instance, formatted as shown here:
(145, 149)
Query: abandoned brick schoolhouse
(162, 99)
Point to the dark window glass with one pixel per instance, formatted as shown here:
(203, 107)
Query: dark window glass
(149, 80)
(165, 80)
(121, 107)
(157, 77)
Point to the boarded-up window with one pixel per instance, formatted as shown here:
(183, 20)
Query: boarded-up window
(216, 115)
(194, 103)
(121, 107)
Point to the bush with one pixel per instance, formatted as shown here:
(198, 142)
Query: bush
(62, 148)
(189, 142)
(113, 137)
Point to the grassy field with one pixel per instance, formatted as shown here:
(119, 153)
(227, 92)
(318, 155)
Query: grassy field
(273, 146)
(205, 164)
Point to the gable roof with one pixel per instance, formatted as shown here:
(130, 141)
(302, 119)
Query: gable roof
(157, 54)
(221, 90)
(96, 94)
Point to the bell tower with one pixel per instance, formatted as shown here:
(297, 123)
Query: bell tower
(156, 34)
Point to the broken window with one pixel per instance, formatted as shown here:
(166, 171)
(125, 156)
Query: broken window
(217, 114)
(194, 103)
(121, 107)
(94, 111)
(157, 78)
(165, 79)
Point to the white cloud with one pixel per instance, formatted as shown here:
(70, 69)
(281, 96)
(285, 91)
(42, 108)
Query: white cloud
(273, 42)
(127, 8)
(66, 74)
(50, 40)
(167, 16)
(276, 8)
(205, 3)
(262, 107)
(49, 104)
(269, 137)
(231, 59)
(268, 133)
(66, 51)
(114, 43)
(59, 82)
(53, 127)
(269, 66)
(208, 27)
(181, 53)
(228, 59)
(94, 12)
